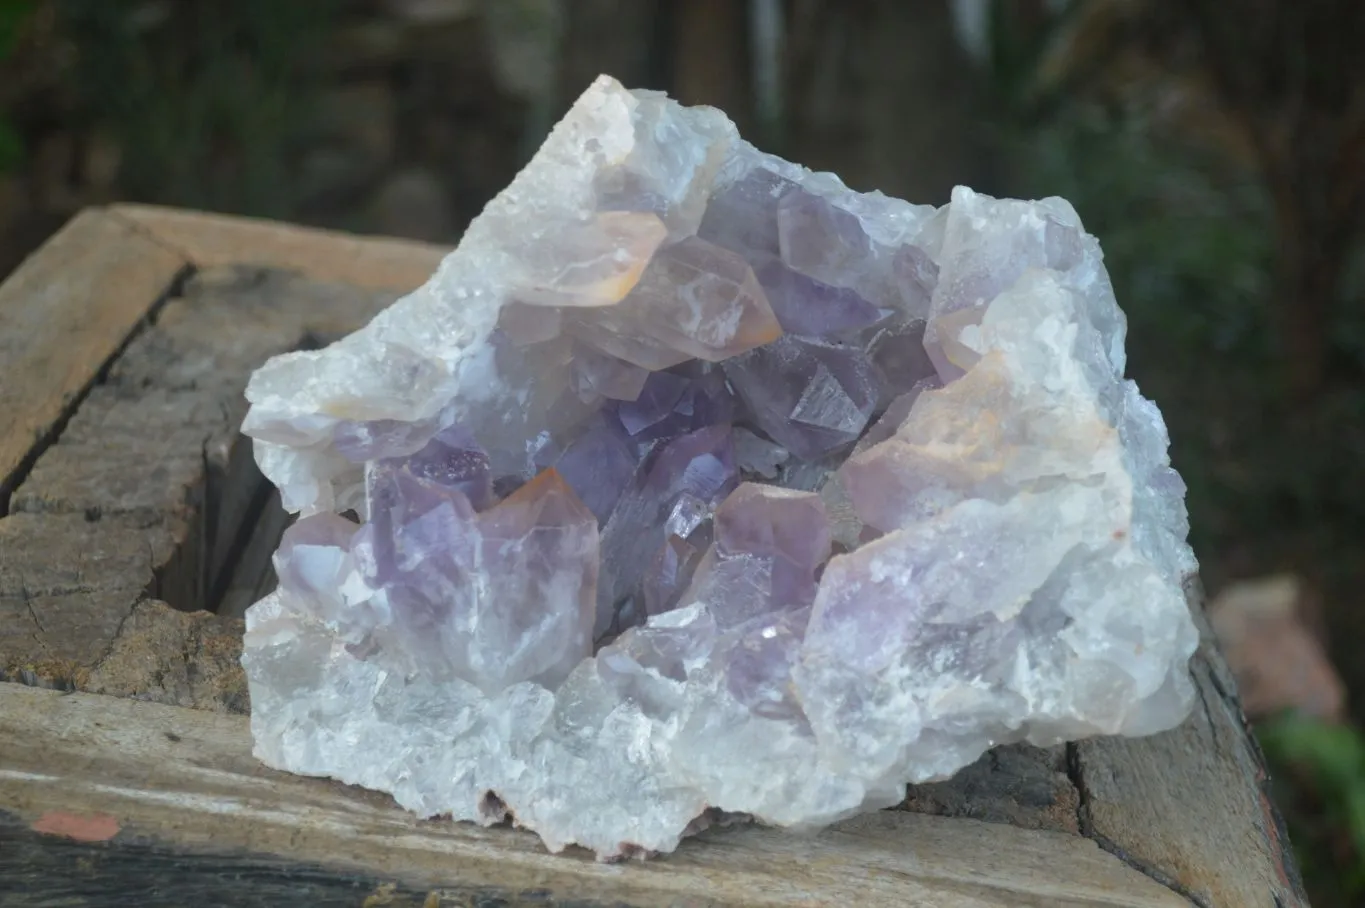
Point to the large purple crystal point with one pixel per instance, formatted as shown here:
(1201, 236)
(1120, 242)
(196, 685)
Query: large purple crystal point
(696, 482)
(493, 598)
(810, 308)
(700, 467)
(819, 240)
(599, 464)
(812, 398)
(769, 543)
(742, 217)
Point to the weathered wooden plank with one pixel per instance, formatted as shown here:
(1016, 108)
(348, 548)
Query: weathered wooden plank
(213, 240)
(186, 779)
(111, 515)
(63, 314)
(166, 655)
(151, 492)
(1191, 807)
(39, 870)
(66, 586)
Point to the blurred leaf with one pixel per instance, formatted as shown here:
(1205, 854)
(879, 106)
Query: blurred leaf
(1333, 759)
(13, 14)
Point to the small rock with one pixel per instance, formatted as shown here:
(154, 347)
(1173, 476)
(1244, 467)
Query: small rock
(1278, 662)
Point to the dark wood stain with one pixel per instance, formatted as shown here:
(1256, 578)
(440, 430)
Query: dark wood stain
(48, 871)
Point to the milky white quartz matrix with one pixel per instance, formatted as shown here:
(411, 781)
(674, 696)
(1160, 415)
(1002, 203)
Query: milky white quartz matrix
(695, 484)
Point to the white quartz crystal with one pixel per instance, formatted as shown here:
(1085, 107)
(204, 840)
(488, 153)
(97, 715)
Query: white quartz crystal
(579, 597)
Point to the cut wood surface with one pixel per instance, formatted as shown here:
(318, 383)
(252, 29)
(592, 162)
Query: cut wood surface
(210, 240)
(63, 314)
(186, 778)
(133, 502)
(1192, 806)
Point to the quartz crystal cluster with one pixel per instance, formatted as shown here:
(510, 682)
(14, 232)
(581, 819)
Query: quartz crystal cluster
(695, 484)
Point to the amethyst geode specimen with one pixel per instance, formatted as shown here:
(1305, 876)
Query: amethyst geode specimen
(694, 481)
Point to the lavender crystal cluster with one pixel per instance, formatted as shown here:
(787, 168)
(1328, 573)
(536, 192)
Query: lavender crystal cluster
(694, 483)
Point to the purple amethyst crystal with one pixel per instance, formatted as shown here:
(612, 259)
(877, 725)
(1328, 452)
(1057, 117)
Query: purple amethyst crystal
(660, 394)
(669, 574)
(896, 349)
(809, 308)
(598, 465)
(742, 217)
(454, 460)
(492, 598)
(699, 466)
(696, 482)
(769, 544)
(821, 241)
(812, 398)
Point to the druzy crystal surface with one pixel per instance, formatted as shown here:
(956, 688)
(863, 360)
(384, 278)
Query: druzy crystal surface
(695, 484)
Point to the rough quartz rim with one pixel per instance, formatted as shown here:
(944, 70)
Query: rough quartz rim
(695, 484)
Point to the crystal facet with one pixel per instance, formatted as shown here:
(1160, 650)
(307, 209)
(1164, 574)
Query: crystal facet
(694, 481)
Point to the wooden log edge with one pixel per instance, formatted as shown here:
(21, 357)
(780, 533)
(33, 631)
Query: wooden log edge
(208, 240)
(185, 779)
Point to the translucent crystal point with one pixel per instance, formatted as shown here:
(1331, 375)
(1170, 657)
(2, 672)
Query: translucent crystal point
(769, 542)
(694, 301)
(697, 470)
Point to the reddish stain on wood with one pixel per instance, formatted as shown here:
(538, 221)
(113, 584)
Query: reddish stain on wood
(83, 827)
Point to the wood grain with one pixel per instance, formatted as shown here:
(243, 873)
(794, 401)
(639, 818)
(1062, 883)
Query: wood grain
(43, 870)
(213, 240)
(186, 780)
(64, 313)
(131, 489)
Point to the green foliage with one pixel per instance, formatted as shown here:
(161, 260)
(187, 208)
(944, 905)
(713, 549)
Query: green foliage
(1020, 84)
(1328, 763)
(207, 101)
(13, 15)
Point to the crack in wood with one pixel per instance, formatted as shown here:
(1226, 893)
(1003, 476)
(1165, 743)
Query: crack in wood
(8, 484)
(1076, 774)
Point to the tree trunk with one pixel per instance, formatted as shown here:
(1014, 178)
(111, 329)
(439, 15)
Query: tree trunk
(710, 57)
(883, 94)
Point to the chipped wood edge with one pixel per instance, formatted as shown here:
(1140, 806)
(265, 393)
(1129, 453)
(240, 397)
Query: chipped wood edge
(186, 780)
(210, 240)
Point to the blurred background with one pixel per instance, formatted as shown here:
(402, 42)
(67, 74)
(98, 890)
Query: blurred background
(1216, 149)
